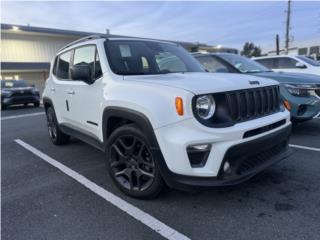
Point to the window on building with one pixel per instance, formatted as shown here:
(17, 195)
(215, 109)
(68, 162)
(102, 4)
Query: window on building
(63, 66)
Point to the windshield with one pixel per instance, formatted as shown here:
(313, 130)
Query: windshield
(309, 60)
(137, 57)
(13, 83)
(243, 64)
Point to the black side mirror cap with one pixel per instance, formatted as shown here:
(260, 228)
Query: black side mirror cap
(82, 73)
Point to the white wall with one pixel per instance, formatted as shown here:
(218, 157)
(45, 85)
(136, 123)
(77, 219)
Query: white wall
(19, 47)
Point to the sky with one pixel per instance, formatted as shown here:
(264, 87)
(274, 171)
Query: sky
(218, 23)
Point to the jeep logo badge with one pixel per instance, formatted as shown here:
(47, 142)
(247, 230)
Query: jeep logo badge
(254, 82)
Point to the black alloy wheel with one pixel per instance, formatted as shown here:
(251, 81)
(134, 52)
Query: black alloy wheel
(131, 163)
(56, 135)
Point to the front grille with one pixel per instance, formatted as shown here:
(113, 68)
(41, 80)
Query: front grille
(24, 94)
(253, 103)
(260, 159)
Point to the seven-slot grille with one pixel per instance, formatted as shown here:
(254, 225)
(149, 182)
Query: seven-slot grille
(253, 103)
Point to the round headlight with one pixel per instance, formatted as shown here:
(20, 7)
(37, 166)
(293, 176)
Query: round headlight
(205, 106)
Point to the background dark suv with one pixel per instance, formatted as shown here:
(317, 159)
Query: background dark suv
(18, 92)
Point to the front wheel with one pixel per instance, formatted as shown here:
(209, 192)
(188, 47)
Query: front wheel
(131, 164)
(56, 135)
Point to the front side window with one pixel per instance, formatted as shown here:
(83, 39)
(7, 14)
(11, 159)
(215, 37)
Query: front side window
(88, 56)
(63, 66)
(138, 57)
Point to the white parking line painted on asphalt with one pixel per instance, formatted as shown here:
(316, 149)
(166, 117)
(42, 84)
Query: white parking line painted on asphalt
(305, 147)
(23, 115)
(138, 214)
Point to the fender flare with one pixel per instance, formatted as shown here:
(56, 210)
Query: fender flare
(138, 118)
(47, 100)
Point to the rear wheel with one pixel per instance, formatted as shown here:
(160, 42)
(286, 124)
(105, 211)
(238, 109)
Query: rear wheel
(131, 163)
(56, 135)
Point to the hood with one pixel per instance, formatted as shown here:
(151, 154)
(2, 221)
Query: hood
(294, 78)
(17, 89)
(201, 83)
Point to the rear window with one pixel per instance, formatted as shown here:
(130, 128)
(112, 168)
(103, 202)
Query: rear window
(13, 83)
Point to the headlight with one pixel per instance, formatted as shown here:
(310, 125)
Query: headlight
(5, 92)
(205, 107)
(299, 90)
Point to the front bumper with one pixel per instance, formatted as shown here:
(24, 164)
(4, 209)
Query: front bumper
(303, 108)
(225, 143)
(12, 100)
(246, 160)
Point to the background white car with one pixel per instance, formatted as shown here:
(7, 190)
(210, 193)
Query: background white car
(290, 63)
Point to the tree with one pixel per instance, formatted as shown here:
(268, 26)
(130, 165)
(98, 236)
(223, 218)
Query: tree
(250, 50)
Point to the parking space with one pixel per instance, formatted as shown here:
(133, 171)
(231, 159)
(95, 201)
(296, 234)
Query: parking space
(40, 201)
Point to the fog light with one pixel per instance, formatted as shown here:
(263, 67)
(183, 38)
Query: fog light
(198, 154)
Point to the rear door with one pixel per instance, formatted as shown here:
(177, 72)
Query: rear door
(61, 87)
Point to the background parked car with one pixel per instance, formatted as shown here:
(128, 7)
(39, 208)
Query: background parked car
(288, 63)
(15, 92)
(300, 92)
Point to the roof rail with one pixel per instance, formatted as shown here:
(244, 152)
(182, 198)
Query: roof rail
(87, 38)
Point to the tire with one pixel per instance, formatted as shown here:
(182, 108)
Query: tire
(56, 135)
(4, 107)
(131, 165)
(36, 104)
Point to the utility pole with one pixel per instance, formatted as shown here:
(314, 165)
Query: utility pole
(277, 44)
(288, 27)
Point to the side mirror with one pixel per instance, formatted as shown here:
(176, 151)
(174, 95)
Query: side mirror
(82, 73)
(300, 65)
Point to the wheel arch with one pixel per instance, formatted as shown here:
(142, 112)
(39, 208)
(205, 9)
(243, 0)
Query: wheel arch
(47, 102)
(114, 117)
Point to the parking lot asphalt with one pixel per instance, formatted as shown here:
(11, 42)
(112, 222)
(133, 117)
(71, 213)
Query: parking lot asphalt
(41, 202)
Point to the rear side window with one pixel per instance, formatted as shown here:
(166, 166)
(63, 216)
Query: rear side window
(268, 62)
(63, 65)
(286, 62)
(88, 55)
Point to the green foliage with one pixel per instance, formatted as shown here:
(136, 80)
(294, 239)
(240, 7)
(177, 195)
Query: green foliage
(251, 50)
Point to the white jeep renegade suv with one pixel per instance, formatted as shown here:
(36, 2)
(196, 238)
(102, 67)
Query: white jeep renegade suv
(160, 118)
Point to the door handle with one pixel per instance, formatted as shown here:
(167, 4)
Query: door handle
(52, 89)
(71, 92)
